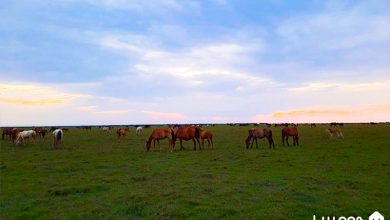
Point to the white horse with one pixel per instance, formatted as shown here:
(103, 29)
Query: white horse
(106, 129)
(138, 130)
(22, 136)
(58, 136)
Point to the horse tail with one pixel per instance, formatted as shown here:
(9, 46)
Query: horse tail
(59, 136)
(271, 140)
(197, 132)
(173, 135)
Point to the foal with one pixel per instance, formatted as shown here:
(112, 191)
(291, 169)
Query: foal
(207, 135)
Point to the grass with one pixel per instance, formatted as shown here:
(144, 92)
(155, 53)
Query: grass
(95, 177)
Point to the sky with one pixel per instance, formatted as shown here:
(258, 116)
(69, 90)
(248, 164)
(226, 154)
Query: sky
(102, 62)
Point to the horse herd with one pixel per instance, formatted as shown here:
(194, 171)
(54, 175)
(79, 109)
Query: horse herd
(197, 134)
(19, 136)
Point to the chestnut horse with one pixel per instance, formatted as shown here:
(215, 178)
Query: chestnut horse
(334, 133)
(208, 136)
(188, 133)
(160, 134)
(290, 131)
(122, 132)
(255, 133)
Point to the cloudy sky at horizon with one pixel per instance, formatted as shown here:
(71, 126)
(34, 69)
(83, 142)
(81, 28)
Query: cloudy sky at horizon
(73, 62)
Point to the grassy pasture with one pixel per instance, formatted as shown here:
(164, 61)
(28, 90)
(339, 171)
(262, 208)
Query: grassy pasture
(95, 177)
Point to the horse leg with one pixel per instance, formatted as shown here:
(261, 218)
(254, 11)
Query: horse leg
(256, 144)
(193, 140)
(287, 141)
(181, 144)
(202, 142)
(197, 140)
(159, 147)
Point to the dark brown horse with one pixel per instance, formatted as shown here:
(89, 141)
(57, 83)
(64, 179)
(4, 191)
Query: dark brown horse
(255, 133)
(122, 132)
(207, 135)
(188, 133)
(290, 131)
(6, 132)
(41, 132)
(160, 134)
(11, 133)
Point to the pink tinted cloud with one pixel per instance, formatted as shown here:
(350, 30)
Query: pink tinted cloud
(166, 117)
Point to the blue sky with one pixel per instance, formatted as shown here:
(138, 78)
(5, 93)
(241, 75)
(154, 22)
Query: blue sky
(70, 62)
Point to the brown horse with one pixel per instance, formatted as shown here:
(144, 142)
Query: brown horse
(7, 132)
(207, 135)
(334, 133)
(160, 134)
(11, 133)
(122, 132)
(255, 133)
(41, 132)
(188, 133)
(290, 131)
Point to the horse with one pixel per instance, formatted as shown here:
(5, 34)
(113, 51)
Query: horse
(188, 133)
(41, 132)
(290, 131)
(6, 132)
(138, 130)
(334, 133)
(23, 136)
(160, 134)
(106, 129)
(206, 135)
(255, 133)
(58, 136)
(122, 132)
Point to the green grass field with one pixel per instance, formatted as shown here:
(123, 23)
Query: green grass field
(95, 177)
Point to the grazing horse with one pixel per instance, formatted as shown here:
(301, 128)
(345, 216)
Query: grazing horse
(160, 134)
(106, 129)
(58, 136)
(255, 133)
(188, 133)
(122, 132)
(23, 136)
(138, 130)
(290, 131)
(334, 133)
(207, 135)
(41, 132)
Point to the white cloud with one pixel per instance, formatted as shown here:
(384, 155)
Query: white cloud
(335, 30)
